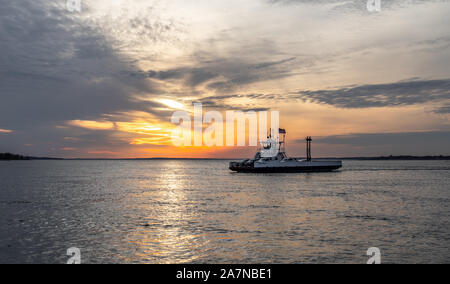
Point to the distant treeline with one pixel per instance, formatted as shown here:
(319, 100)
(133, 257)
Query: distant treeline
(387, 158)
(9, 156)
(15, 157)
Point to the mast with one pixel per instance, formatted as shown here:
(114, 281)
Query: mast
(283, 140)
(308, 148)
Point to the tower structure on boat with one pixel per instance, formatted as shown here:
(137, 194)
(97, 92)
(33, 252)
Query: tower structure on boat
(308, 148)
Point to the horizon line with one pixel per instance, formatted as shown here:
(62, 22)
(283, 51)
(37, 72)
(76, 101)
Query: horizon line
(388, 157)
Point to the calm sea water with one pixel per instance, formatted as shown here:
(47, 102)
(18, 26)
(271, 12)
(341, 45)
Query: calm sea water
(181, 211)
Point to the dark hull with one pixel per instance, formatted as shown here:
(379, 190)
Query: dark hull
(313, 169)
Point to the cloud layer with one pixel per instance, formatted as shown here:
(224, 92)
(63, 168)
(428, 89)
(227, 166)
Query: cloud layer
(73, 84)
(381, 95)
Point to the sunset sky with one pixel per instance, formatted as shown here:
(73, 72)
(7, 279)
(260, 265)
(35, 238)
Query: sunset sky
(105, 81)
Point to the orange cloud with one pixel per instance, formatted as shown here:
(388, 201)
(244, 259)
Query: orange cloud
(94, 125)
(151, 141)
(103, 152)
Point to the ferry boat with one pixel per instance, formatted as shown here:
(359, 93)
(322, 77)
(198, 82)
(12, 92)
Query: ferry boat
(272, 158)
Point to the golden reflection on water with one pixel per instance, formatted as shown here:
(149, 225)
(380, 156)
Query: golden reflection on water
(172, 212)
(164, 241)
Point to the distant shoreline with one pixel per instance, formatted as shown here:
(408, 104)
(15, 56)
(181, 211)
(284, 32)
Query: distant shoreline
(14, 157)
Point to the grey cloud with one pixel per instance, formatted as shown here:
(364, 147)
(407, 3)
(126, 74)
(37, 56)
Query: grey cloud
(54, 67)
(353, 5)
(269, 64)
(443, 110)
(192, 76)
(217, 102)
(91, 47)
(409, 92)
(382, 95)
(377, 139)
(376, 144)
(227, 74)
(339, 6)
(145, 26)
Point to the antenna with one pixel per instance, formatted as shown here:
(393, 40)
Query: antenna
(308, 148)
